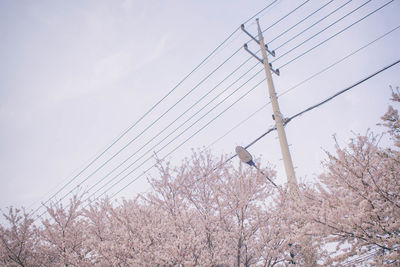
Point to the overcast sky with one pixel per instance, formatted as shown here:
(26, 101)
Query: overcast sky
(75, 74)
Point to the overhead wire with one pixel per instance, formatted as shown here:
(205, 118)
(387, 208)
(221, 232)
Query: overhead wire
(285, 16)
(202, 128)
(140, 119)
(150, 110)
(177, 147)
(364, 257)
(180, 134)
(259, 12)
(327, 27)
(306, 80)
(344, 90)
(314, 24)
(150, 150)
(81, 183)
(334, 35)
(275, 23)
(264, 13)
(237, 125)
(301, 21)
(289, 119)
(121, 137)
(178, 127)
(340, 60)
(375, 11)
(148, 127)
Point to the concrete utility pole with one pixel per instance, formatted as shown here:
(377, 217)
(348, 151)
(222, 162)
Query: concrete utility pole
(279, 122)
(287, 159)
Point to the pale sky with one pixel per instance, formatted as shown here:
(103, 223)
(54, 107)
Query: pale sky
(75, 74)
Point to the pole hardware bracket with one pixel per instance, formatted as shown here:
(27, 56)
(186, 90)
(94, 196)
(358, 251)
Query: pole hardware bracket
(272, 53)
(277, 72)
(251, 53)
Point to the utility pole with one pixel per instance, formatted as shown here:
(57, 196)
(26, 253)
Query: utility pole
(279, 120)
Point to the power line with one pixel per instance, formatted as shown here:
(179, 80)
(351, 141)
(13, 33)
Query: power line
(353, 24)
(298, 23)
(148, 127)
(281, 19)
(287, 120)
(191, 124)
(150, 157)
(56, 193)
(364, 257)
(324, 29)
(285, 16)
(339, 61)
(308, 79)
(329, 38)
(182, 143)
(237, 125)
(343, 91)
(312, 25)
(177, 128)
(142, 118)
(259, 12)
(152, 108)
(375, 11)
(336, 34)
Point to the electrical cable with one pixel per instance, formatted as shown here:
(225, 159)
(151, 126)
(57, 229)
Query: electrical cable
(364, 257)
(262, 10)
(311, 107)
(81, 183)
(150, 110)
(279, 20)
(177, 147)
(275, 23)
(308, 79)
(262, 14)
(342, 92)
(139, 120)
(149, 158)
(285, 16)
(142, 132)
(223, 100)
(222, 112)
(214, 51)
(298, 23)
(336, 34)
(177, 128)
(339, 61)
(313, 13)
(287, 120)
(324, 29)
(314, 24)
(237, 125)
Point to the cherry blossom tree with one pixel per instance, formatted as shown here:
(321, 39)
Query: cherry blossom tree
(220, 214)
(356, 205)
(18, 240)
(62, 235)
(209, 212)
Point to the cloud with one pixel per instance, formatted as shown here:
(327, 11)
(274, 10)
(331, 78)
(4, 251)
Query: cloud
(105, 73)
